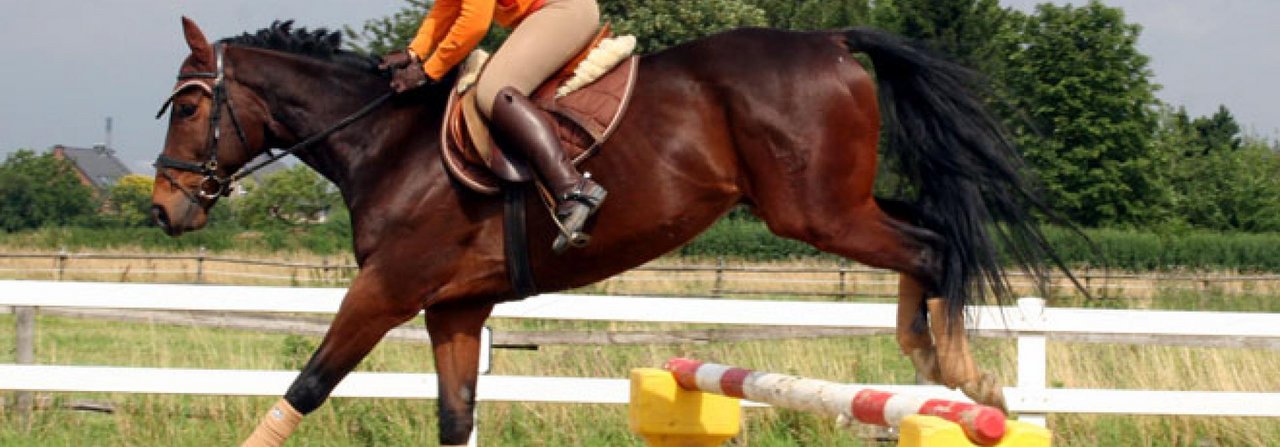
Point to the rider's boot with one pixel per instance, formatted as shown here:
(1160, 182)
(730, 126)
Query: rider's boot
(518, 125)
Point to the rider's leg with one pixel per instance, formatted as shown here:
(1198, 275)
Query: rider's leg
(539, 46)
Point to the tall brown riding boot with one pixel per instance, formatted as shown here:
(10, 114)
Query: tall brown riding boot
(518, 125)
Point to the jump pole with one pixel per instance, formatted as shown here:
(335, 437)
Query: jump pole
(698, 399)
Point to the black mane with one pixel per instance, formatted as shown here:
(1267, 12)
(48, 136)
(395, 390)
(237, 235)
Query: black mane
(320, 44)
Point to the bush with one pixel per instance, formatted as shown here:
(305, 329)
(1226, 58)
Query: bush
(41, 190)
(739, 238)
(749, 239)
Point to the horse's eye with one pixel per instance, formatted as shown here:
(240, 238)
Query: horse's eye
(184, 110)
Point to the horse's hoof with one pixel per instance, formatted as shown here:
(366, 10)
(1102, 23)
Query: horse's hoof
(986, 391)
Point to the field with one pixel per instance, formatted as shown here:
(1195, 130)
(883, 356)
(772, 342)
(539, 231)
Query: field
(198, 421)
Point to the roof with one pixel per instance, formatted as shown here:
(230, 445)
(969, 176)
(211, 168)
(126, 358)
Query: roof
(98, 165)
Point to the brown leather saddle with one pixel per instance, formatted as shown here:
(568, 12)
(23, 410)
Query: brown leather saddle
(584, 119)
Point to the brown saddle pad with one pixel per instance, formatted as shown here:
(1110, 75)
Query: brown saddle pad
(583, 119)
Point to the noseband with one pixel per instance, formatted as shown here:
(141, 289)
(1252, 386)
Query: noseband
(221, 185)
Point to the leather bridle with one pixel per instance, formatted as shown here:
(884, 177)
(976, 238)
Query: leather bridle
(221, 185)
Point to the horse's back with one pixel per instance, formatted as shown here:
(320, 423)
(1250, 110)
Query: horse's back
(752, 54)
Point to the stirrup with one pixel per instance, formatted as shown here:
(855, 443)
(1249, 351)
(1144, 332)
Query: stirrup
(585, 199)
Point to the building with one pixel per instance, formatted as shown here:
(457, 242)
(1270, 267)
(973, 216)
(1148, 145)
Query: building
(97, 167)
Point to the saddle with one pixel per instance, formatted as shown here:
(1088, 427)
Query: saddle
(585, 100)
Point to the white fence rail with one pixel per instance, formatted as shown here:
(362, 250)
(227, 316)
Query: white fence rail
(1030, 322)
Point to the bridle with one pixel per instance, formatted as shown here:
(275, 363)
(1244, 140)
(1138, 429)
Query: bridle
(221, 185)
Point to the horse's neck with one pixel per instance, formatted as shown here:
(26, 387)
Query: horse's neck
(308, 96)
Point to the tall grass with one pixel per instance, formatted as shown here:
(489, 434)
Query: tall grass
(205, 420)
(327, 239)
(736, 238)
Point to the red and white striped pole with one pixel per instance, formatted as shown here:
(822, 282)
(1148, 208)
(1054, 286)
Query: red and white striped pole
(982, 424)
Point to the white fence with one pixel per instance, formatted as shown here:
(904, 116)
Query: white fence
(1030, 322)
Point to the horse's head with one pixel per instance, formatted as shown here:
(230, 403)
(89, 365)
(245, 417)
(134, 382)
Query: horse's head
(215, 127)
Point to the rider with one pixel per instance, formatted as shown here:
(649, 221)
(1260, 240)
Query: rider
(546, 35)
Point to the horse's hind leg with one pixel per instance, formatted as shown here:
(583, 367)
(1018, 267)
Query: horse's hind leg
(913, 329)
(836, 213)
(938, 347)
(955, 361)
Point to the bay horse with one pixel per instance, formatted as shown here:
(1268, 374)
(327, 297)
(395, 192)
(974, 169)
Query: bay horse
(787, 123)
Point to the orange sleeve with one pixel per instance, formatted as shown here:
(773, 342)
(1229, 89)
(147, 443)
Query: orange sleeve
(468, 28)
(434, 27)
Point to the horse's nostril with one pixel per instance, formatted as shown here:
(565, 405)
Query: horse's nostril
(160, 217)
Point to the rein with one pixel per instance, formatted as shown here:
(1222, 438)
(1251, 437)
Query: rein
(221, 185)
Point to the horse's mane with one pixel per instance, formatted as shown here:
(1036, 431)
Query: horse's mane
(320, 44)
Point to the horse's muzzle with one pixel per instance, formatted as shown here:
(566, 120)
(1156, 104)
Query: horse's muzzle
(161, 219)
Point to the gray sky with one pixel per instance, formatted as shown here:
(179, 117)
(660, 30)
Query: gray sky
(67, 65)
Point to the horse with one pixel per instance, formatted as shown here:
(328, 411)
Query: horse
(785, 123)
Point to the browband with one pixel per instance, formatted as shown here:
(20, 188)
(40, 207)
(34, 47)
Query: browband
(181, 88)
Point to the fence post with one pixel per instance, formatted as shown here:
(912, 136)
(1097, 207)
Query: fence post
(1088, 280)
(324, 272)
(200, 266)
(1032, 360)
(26, 355)
(841, 267)
(719, 284)
(61, 262)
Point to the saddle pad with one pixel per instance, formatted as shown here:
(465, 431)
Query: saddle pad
(584, 119)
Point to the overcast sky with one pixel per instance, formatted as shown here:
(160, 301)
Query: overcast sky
(68, 65)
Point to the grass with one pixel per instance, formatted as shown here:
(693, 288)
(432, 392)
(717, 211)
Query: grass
(214, 420)
(205, 420)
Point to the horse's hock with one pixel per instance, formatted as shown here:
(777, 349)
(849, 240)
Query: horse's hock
(695, 404)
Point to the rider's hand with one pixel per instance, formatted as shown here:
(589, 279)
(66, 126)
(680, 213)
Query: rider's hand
(399, 59)
(409, 78)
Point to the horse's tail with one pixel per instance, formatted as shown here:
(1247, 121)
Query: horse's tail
(967, 181)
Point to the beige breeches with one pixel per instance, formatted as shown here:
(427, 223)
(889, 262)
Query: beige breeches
(538, 47)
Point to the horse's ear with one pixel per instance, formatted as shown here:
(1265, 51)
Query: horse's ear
(201, 52)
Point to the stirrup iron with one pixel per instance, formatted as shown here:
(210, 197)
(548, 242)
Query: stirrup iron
(588, 201)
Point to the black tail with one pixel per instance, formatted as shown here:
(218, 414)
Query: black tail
(969, 180)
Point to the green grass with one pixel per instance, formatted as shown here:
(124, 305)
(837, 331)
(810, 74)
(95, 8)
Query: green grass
(734, 238)
(214, 420)
(206, 420)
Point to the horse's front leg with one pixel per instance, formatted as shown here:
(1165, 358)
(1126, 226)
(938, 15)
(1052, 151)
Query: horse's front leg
(368, 311)
(455, 341)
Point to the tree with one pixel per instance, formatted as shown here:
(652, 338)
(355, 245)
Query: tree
(1089, 105)
(129, 201)
(1216, 188)
(814, 14)
(658, 24)
(967, 30)
(1217, 132)
(1230, 190)
(40, 190)
(392, 33)
(293, 196)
